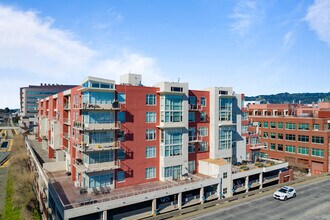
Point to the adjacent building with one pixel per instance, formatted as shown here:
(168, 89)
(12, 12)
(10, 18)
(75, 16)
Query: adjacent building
(29, 97)
(298, 134)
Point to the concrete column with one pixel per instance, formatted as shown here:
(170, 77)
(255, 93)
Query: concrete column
(180, 200)
(104, 215)
(154, 207)
(247, 184)
(219, 191)
(261, 176)
(201, 195)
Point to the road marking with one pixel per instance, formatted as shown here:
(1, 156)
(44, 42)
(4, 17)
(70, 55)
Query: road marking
(6, 163)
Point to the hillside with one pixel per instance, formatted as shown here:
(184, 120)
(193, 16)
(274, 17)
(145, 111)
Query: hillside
(303, 98)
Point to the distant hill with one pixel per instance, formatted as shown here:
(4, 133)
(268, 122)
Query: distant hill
(280, 98)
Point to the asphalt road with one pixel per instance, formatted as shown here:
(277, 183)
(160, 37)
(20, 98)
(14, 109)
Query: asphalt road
(312, 202)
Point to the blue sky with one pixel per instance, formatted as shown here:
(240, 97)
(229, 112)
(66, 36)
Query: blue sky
(258, 47)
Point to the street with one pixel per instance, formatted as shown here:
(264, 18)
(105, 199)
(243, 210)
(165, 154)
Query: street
(312, 202)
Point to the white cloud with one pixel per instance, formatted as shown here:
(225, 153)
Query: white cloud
(288, 41)
(318, 18)
(245, 14)
(32, 50)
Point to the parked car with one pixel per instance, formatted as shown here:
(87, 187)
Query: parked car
(285, 193)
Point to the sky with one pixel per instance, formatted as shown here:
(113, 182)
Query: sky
(256, 47)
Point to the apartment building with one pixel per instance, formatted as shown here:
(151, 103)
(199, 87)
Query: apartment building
(298, 134)
(163, 144)
(29, 97)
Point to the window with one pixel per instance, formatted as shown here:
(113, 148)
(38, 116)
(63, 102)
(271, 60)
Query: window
(244, 129)
(280, 125)
(303, 138)
(224, 191)
(265, 124)
(121, 176)
(150, 172)
(99, 157)
(150, 134)
(225, 138)
(121, 155)
(290, 149)
(191, 166)
(203, 116)
(150, 152)
(280, 136)
(225, 109)
(191, 148)
(303, 150)
(203, 101)
(225, 175)
(191, 116)
(121, 97)
(203, 146)
(265, 135)
(172, 143)
(280, 147)
(317, 152)
(150, 117)
(171, 108)
(303, 126)
(173, 171)
(272, 135)
(317, 140)
(176, 89)
(203, 131)
(272, 146)
(150, 99)
(100, 180)
(272, 124)
(290, 126)
(290, 137)
(316, 126)
(192, 100)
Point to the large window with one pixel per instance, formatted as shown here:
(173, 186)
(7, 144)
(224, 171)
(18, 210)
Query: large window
(98, 97)
(303, 138)
(317, 140)
(171, 108)
(225, 109)
(303, 126)
(150, 172)
(290, 126)
(100, 137)
(225, 138)
(99, 157)
(100, 180)
(150, 117)
(317, 152)
(172, 143)
(203, 131)
(303, 150)
(150, 152)
(121, 97)
(150, 99)
(290, 137)
(150, 134)
(290, 149)
(173, 171)
(316, 126)
(97, 117)
(192, 100)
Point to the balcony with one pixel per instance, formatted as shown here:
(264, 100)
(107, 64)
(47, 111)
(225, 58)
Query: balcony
(106, 125)
(66, 106)
(163, 124)
(66, 135)
(66, 121)
(98, 147)
(195, 139)
(258, 146)
(195, 107)
(98, 106)
(90, 168)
